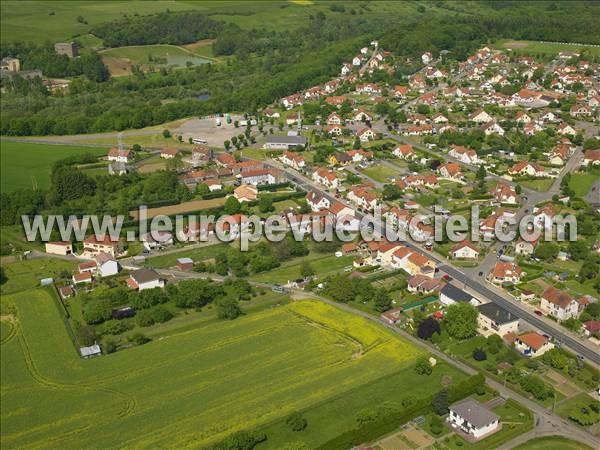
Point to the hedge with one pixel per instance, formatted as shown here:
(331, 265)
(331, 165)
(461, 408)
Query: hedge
(272, 187)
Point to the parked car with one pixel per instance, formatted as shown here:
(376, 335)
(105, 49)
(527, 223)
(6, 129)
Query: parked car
(537, 312)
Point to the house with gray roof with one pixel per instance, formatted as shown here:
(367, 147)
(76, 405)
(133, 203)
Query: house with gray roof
(493, 319)
(472, 418)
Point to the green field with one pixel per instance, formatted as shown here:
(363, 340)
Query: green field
(542, 185)
(322, 266)
(581, 183)
(552, 443)
(545, 48)
(25, 165)
(143, 54)
(22, 275)
(380, 173)
(194, 387)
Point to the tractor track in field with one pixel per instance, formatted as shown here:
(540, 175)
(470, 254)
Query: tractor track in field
(130, 402)
(13, 329)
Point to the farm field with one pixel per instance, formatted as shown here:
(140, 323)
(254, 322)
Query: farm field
(193, 388)
(21, 275)
(546, 48)
(185, 207)
(552, 443)
(24, 163)
(322, 266)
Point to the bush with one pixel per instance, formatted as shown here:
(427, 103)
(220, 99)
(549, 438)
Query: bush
(109, 346)
(115, 327)
(422, 366)
(296, 422)
(160, 314)
(139, 339)
(436, 426)
(479, 354)
(428, 327)
(144, 318)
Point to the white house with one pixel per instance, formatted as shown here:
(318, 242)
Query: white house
(533, 344)
(317, 201)
(404, 151)
(365, 134)
(326, 178)
(473, 418)
(464, 155)
(480, 116)
(465, 250)
(294, 160)
(559, 304)
(426, 57)
(119, 155)
(450, 294)
(145, 279)
(106, 265)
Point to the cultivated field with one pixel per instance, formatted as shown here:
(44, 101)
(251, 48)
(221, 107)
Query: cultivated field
(185, 207)
(191, 388)
(547, 48)
(26, 165)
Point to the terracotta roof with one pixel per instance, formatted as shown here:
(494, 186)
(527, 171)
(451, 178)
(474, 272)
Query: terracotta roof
(533, 340)
(560, 298)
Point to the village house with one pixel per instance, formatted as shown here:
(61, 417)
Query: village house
(120, 155)
(246, 193)
(493, 319)
(527, 97)
(400, 92)
(317, 201)
(323, 176)
(473, 418)
(506, 272)
(93, 246)
(88, 266)
(522, 117)
(362, 198)
(335, 130)
(368, 88)
(143, 279)
(213, 184)
(271, 113)
(185, 264)
(533, 344)
(566, 129)
(464, 155)
(340, 159)
(525, 247)
(359, 155)
(346, 69)
(365, 134)
(439, 118)
(292, 100)
(169, 153)
(225, 160)
(423, 284)
(488, 225)
(560, 154)
(559, 304)
(334, 119)
(492, 127)
(591, 157)
(106, 265)
(362, 115)
(531, 128)
(291, 119)
(465, 250)
(426, 57)
(591, 328)
(417, 82)
(156, 239)
(580, 111)
(450, 294)
(451, 171)
(294, 160)
(504, 193)
(259, 176)
(543, 217)
(480, 116)
(526, 168)
(62, 248)
(82, 277)
(404, 151)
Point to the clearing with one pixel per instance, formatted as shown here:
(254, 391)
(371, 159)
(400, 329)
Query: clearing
(546, 48)
(181, 208)
(27, 165)
(208, 381)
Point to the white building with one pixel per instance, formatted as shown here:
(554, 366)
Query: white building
(493, 319)
(473, 418)
(106, 265)
(145, 279)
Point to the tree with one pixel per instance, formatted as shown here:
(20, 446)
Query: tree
(296, 421)
(579, 250)
(391, 192)
(546, 251)
(440, 403)
(381, 300)
(422, 366)
(232, 205)
(436, 425)
(428, 327)
(494, 344)
(461, 320)
(481, 173)
(229, 308)
(139, 339)
(265, 203)
(144, 318)
(479, 354)
(227, 144)
(166, 134)
(306, 270)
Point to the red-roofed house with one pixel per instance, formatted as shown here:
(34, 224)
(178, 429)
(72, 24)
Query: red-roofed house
(505, 272)
(533, 344)
(559, 304)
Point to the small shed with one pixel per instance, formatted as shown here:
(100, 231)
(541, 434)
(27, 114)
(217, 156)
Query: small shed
(91, 351)
(185, 264)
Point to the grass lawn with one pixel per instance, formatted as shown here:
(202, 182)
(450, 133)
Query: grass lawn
(541, 185)
(577, 402)
(323, 266)
(380, 173)
(143, 54)
(547, 48)
(197, 254)
(581, 183)
(24, 165)
(21, 275)
(197, 386)
(552, 443)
